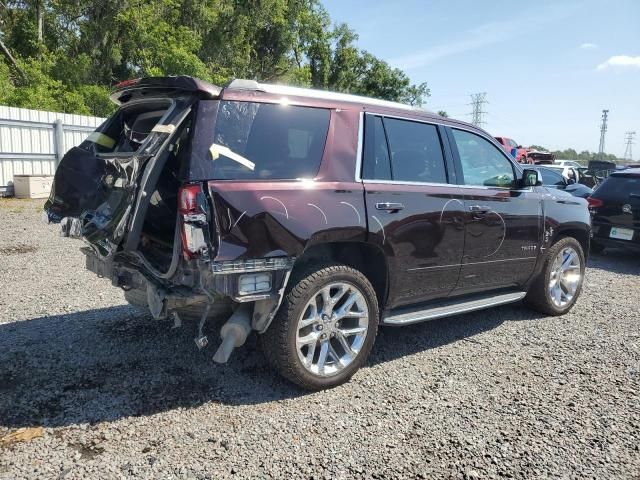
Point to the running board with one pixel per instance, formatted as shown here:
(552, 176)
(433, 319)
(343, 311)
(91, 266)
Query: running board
(407, 316)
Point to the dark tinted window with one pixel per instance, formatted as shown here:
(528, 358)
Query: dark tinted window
(416, 152)
(618, 187)
(549, 177)
(482, 162)
(376, 156)
(268, 141)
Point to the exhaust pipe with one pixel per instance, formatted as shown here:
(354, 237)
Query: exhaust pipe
(234, 332)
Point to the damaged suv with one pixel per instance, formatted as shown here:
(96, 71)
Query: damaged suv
(311, 218)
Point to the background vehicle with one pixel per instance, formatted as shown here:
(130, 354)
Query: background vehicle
(615, 206)
(309, 219)
(539, 157)
(567, 163)
(552, 178)
(509, 144)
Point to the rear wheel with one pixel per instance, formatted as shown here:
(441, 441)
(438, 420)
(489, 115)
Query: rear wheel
(324, 329)
(558, 285)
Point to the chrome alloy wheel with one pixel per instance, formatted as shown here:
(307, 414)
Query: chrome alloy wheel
(565, 277)
(332, 329)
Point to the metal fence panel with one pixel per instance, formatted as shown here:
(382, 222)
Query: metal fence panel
(27, 141)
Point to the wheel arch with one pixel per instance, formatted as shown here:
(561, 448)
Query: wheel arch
(582, 235)
(365, 257)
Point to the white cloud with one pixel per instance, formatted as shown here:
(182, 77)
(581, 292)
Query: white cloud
(620, 61)
(588, 45)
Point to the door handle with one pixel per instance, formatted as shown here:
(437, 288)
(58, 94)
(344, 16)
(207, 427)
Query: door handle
(389, 206)
(479, 208)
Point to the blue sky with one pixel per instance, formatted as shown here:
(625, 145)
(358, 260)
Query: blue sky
(548, 67)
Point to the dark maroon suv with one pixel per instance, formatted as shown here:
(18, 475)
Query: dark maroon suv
(310, 217)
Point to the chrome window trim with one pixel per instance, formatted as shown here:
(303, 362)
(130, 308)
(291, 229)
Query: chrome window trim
(360, 158)
(401, 182)
(360, 147)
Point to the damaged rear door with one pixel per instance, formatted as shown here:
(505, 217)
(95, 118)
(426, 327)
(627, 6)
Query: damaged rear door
(100, 185)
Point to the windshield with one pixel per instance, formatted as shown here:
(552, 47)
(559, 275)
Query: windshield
(268, 141)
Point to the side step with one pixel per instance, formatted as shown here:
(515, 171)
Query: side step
(409, 315)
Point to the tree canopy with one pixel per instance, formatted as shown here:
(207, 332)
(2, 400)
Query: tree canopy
(64, 55)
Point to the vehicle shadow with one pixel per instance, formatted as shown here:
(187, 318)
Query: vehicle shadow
(616, 260)
(105, 364)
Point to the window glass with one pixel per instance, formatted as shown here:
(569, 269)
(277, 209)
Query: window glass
(376, 156)
(268, 141)
(513, 143)
(482, 163)
(416, 152)
(549, 177)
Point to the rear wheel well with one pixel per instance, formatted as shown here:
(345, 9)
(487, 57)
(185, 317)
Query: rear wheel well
(582, 236)
(364, 257)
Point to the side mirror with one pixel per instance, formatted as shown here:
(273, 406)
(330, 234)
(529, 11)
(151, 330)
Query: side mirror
(530, 178)
(519, 146)
(571, 181)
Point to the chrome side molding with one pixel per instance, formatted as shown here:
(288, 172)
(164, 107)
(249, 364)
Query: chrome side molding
(407, 317)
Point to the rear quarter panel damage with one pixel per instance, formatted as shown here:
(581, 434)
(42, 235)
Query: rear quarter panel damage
(265, 219)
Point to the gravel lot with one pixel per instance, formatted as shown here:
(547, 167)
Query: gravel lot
(500, 393)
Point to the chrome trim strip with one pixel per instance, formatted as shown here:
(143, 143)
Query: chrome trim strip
(359, 148)
(471, 263)
(400, 182)
(448, 310)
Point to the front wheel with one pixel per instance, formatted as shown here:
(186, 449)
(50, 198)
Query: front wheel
(558, 285)
(325, 327)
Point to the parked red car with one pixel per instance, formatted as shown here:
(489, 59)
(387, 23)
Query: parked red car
(509, 144)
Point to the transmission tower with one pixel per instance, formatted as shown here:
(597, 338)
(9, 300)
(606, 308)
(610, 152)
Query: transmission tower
(478, 100)
(628, 155)
(603, 130)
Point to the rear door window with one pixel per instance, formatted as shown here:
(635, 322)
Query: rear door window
(268, 141)
(416, 151)
(376, 154)
(483, 164)
(618, 187)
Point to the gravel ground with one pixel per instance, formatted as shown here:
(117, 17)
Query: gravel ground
(500, 393)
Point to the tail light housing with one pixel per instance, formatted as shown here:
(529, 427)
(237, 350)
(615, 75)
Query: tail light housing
(594, 202)
(192, 210)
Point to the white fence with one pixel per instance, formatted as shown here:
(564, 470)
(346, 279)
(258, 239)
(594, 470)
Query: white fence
(33, 141)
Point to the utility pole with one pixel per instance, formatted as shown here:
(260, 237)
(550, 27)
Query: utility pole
(603, 130)
(477, 102)
(628, 155)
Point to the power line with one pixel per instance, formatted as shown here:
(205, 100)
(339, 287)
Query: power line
(477, 102)
(603, 130)
(628, 155)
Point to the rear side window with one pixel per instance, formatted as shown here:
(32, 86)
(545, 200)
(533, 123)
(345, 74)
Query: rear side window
(403, 150)
(268, 141)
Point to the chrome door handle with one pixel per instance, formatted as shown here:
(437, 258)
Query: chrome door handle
(478, 208)
(389, 206)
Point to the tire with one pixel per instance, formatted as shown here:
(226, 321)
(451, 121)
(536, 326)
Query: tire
(300, 362)
(539, 297)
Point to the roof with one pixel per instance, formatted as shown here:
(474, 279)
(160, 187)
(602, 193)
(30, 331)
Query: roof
(286, 90)
(626, 171)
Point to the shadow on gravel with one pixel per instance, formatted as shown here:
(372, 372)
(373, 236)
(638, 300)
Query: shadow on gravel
(105, 364)
(616, 260)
